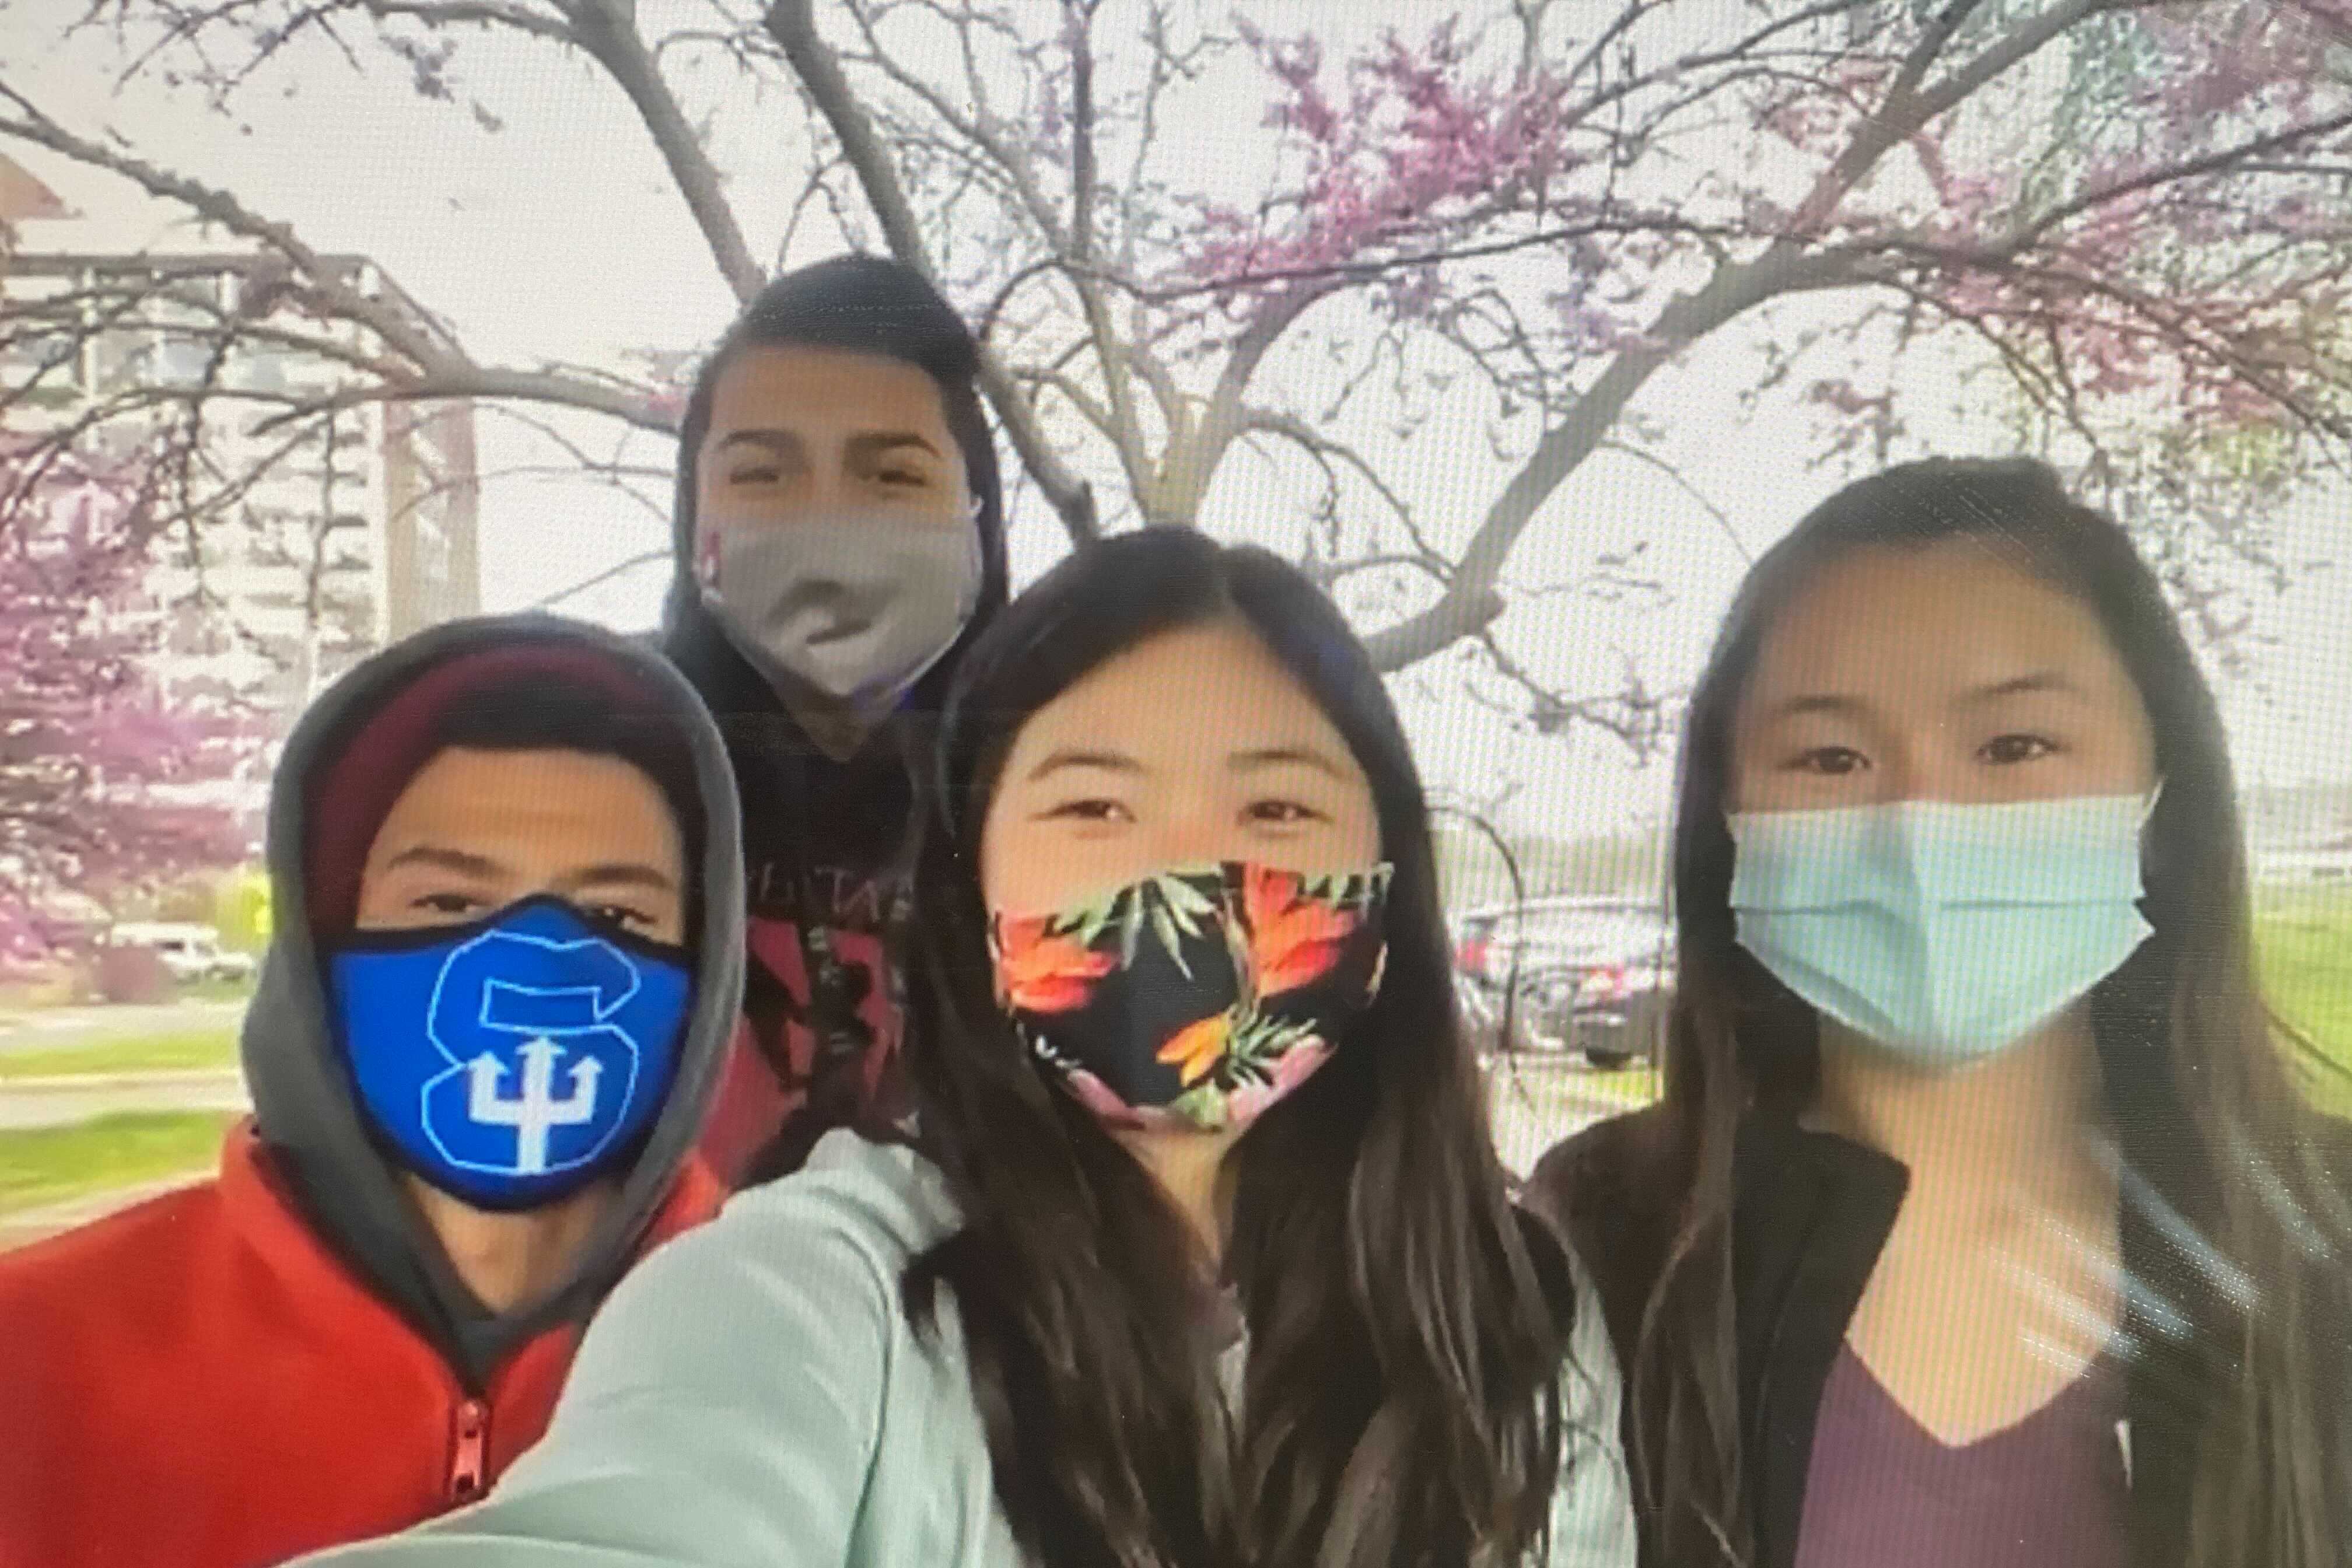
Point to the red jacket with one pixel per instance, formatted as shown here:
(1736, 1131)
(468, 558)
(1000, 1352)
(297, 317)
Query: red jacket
(198, 1381)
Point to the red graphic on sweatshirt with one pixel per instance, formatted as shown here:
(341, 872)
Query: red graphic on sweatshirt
(776, 1061)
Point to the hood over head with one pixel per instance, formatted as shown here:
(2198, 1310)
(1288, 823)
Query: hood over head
(351, 756)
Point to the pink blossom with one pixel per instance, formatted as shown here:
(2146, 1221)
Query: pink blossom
(90, 740)
(1407, 140)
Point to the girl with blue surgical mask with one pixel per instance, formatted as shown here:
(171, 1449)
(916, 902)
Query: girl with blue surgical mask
(1982, 1221)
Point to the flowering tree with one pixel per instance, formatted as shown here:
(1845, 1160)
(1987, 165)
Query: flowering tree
(2132, 216)
(90, 756)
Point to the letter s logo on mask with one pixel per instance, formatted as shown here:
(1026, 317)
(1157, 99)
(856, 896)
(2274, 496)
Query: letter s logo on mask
(513, 1060)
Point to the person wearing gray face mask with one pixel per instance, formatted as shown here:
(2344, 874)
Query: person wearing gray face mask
(839, 541)
(842, 613)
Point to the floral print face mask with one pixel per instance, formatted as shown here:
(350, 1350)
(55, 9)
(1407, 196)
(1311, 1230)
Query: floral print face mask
(1194, 999)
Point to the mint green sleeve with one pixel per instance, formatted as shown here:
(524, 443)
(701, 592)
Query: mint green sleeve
(724, 1412)
(1593, 1510)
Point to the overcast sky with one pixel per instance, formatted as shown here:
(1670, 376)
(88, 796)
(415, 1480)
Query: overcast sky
(560, 237)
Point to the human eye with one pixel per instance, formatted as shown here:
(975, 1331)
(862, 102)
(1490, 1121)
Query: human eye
(1275, 812)
(1828, 762)
(1089, 810)
(755, 474)
(2006, 750)
(449, 904)
(618, 917)
(902, 478)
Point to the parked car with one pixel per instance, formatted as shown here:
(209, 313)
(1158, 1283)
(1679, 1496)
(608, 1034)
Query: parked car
(1592, 975)
(188, 953)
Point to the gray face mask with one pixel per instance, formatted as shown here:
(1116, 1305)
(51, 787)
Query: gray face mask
(843, 613)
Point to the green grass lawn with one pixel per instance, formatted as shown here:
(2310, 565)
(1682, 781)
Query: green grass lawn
(2302, 938)
(44, 1165)
(216, 991)
(178, 1051)
(41, 1165)
(1636, 1086)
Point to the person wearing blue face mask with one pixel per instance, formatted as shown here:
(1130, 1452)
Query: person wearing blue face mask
(506, 963)
(1982, 1222)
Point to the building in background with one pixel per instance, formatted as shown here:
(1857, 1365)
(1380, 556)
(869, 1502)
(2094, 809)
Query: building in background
(319, 540)
(22, 199)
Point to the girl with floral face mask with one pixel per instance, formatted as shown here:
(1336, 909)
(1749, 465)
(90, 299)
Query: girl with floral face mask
(1982, 1222)
(1199, 1253)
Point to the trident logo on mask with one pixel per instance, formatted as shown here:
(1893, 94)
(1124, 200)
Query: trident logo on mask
(539, 995)
(541, 1015)
(544, 1046)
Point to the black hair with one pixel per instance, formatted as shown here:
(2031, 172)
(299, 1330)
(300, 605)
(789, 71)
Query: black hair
(1406, 1326)
(2198, 1076)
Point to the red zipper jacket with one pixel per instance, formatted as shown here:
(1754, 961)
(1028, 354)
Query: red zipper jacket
(200, 1381)
(283, 1360)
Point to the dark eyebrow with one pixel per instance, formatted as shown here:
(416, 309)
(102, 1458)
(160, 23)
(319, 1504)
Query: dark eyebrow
(2017, 686)
(1281, 756)
(1818, 702)
(881, 443)
(784, 443)
(1113, 762)
(464, 862)
(2039, 681)
(622, 874)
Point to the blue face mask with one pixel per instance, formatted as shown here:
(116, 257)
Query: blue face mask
(1944, 932)
(510, 1061)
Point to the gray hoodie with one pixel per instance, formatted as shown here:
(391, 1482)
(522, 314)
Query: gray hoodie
(303, 1101)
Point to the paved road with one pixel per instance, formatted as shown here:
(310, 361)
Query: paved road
(61, 1102)
(52, 1028)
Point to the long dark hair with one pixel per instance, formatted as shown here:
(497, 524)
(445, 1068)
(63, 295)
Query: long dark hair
(866, 304)
(1406, 1327)
(2198, 1090)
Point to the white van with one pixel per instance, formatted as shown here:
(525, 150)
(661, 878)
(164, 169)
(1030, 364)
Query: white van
(189, 951)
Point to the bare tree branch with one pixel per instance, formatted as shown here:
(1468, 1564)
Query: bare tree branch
(435, 366)
(1603, 147)
(792, 24)
(606, 30)
(2234, 158)
(1472, 600)
(1292, 428)
(1110, 351)
(421, 347)
(643, 558)
(1089, 408)
(1682, 482)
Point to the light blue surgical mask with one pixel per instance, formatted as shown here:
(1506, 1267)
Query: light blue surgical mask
(1944, 932)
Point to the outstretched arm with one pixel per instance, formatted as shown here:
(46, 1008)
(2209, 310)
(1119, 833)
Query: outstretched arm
(724, 1413)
